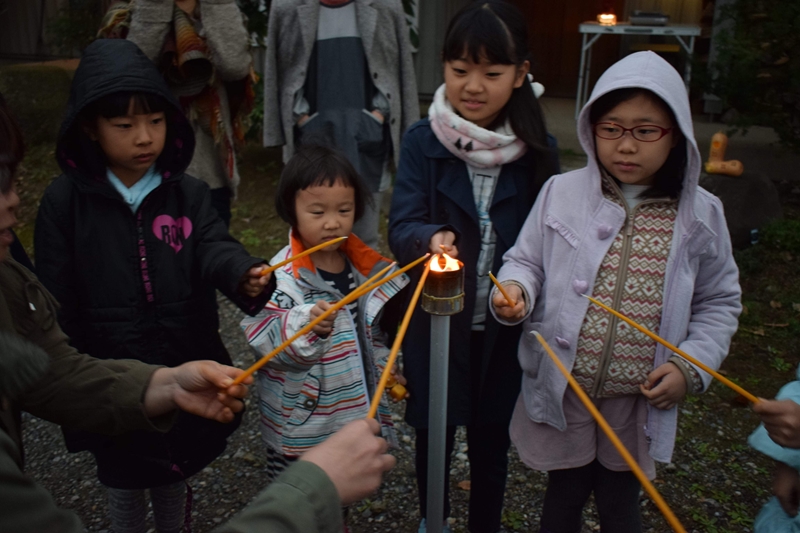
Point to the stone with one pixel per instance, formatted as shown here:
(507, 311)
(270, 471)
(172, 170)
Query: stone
(751, 201)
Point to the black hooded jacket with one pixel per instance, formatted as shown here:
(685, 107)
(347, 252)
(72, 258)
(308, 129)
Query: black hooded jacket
(138, 285)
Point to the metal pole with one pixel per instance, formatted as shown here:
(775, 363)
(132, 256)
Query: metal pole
(437, 421)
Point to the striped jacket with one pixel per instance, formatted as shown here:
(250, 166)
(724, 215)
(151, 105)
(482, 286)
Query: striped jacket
(316, 386)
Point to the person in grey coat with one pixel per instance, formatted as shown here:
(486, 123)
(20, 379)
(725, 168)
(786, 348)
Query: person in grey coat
(343, 69)
(203, 50)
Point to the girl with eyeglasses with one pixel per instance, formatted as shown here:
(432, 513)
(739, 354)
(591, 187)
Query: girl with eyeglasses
(634, 230)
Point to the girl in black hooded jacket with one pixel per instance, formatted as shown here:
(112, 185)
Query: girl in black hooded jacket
(133, 250)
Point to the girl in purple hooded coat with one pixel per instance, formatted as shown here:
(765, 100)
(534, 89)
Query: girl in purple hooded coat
(634, 230)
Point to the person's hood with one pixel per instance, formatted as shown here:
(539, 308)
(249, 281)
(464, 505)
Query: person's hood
(110, 66)
(647, 70)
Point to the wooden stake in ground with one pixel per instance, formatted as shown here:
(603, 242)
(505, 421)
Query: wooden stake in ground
(273, 268)
(387, 371)
(359, 291)
(736, 388)
(634, 466)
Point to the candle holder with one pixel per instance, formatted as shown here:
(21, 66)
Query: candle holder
(443, 293)
(442, 297)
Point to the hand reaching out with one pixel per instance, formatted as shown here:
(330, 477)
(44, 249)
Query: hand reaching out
(354, 458)
(202, 388)
(781, 419)
(665, 386)
(252, 283)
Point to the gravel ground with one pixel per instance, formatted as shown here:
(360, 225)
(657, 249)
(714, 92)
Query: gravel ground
(698, 486)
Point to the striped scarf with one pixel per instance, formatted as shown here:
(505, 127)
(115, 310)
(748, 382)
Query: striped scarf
(190, 73)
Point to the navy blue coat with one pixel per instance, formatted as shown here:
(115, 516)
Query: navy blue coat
(433, 192)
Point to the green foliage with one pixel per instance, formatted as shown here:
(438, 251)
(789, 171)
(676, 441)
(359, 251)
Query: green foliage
(38, 95)
(249, 238)
(757, 71)
(257, 114)
(257, 13)
(783, 234)
(411, 8)
(513, 520)
(75, 27)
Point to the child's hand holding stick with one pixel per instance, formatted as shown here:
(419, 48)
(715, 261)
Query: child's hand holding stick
(367, 286)
(733, 386)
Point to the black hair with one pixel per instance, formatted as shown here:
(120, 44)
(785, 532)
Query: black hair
(669, 178)
(496, 31)
(118, 105)
(315, 165)
(12, 147)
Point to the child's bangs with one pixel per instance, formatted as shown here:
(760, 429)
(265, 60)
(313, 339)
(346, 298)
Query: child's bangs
(479, 35)
(119, 105)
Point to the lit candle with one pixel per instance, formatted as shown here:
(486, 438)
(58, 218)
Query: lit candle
(607, 19)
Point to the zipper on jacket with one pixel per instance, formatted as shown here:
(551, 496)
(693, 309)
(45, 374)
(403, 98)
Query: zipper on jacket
(622, 276)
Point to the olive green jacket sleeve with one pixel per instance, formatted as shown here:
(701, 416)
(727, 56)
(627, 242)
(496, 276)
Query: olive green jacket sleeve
(25, 506)
(78, 391)
(302, 500)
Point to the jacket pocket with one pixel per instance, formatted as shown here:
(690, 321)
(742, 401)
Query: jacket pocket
(372, 149)
(306, 402)
(562, 229)
(531, 351)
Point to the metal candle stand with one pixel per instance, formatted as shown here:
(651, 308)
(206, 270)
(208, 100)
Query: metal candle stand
(442, 296)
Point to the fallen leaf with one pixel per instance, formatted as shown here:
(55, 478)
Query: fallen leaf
(465, 485)
(796, 307)
(777, 325)
(745, 310)
(775, 304)
(723, 372)
(757, 331)
(787, 256)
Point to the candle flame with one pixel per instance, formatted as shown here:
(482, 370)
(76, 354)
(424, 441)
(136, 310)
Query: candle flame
(444, 263)
(607, 19)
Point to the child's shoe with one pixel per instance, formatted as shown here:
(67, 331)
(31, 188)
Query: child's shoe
(423, 528)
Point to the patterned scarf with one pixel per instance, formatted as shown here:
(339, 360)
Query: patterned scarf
(187, 68)
(476, 146)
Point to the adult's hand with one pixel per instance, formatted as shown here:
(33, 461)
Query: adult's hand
(354, 458)
(203, 388)
(781, 419)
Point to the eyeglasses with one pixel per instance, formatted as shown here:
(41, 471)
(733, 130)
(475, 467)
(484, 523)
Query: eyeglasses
(647, 133)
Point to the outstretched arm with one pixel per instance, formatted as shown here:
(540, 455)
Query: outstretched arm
(202, 388)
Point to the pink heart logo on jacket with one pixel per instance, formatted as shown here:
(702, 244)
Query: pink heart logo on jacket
(171, 231)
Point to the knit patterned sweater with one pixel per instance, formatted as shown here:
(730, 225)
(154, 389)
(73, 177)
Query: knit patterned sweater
(612, 358)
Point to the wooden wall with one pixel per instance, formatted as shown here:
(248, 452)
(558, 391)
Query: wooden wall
(556, 43)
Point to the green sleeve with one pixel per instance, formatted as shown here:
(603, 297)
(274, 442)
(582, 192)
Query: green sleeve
(302, 500)
(78, 391)
(26, 507)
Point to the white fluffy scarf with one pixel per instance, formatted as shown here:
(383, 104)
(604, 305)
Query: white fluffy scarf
(477, 146)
